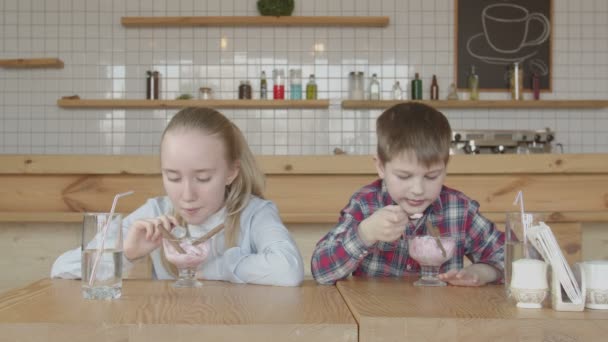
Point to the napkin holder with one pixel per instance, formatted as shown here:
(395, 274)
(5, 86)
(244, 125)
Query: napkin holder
(559, 298)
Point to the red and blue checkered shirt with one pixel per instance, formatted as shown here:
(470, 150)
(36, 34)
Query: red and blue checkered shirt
(342, 252)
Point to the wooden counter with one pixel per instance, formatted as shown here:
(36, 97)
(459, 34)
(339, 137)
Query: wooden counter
(307, 189)
(42, 197)
(53, 310)
(395, 310)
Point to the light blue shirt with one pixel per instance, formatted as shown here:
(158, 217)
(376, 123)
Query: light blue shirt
(265, 253)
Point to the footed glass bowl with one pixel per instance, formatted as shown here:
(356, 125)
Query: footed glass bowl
(425, 249)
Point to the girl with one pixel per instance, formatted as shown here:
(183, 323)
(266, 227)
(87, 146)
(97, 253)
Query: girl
(210, 177)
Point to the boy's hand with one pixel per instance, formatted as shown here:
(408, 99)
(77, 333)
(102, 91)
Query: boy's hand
(386, 224)
(472, 275)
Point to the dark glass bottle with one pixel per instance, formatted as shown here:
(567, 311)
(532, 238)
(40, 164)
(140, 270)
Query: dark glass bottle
(263, 86)
(434, 89)
(152, 82)
(417, 88)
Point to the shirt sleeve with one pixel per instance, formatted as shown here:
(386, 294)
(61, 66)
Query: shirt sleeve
(484, 243)
(339, 253)
(274, 258)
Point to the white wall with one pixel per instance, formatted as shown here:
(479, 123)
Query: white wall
(103, 59)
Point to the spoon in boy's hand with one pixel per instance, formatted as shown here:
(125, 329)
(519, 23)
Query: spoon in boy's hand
(434, 232)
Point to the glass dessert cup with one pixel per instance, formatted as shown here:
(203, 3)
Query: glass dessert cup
(426, 251)
(187, 263)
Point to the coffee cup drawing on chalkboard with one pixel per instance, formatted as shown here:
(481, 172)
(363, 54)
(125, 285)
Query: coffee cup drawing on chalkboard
(506, 34)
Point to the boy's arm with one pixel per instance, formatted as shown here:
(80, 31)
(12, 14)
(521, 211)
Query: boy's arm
(485, 243)
(340, 252)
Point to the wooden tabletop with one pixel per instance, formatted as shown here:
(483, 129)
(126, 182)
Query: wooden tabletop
(390, 309)
(53, 310)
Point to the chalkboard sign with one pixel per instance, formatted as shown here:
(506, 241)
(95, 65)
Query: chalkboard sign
(494, 34)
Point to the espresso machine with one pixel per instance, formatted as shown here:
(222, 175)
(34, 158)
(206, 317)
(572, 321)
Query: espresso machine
(502, 141)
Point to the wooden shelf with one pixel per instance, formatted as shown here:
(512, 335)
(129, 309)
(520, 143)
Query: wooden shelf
(256, 21)
(497, 104)
(31, 63)
(161, 104)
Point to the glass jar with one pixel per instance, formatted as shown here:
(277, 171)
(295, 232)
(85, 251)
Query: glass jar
(355, 86)
(205, 93)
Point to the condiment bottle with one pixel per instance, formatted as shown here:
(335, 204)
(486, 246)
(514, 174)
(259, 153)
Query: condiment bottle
(152, 83)
(536, 86)
(295, 84)
(397, 91)
(278, 88)
(263, 86)
(374, 88)
(516, 82)
(473, 83)
(311, 88)
(417, 88)
(434, 89)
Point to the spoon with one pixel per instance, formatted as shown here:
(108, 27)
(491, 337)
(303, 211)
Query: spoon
(435, 233)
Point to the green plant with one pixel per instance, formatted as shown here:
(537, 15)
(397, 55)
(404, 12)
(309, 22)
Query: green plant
(276, 7)
(184, 97)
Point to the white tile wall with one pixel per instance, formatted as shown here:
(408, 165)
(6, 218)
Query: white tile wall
(105, 60)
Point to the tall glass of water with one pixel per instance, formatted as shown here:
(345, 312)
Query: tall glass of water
(101, 256)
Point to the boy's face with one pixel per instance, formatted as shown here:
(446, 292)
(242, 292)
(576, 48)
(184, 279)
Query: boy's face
(410, 184)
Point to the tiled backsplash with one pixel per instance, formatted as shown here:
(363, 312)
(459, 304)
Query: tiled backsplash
(103, 59)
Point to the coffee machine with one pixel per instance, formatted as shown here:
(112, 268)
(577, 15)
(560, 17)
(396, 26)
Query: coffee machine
(502, 141)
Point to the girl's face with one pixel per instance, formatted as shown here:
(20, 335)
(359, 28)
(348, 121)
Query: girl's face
(195, 173)
(412, 185)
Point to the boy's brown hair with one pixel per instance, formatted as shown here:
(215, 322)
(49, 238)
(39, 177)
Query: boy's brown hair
(414, 127)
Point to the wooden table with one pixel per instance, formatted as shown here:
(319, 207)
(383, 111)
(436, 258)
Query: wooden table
(53, 310)
(392, 309)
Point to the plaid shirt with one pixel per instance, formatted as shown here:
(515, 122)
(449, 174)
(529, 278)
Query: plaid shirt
(342, 252)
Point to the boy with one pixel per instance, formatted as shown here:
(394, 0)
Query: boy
(413, 152)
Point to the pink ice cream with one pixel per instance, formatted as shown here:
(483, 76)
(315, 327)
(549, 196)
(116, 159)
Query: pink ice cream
(195, 255)
(424, 249)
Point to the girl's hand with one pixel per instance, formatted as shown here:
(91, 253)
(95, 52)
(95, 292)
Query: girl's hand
(144, 236)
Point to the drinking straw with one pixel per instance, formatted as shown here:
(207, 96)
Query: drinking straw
(524, 221)
(103, 235)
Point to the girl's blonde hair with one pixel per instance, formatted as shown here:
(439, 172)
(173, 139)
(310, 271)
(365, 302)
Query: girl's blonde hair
(249, 180)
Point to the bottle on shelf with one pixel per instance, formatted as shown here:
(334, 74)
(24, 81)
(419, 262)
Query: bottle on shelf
(516, 81)
(473, 84)
(263, 86)
(453, 94)
(374, 88)
(434, 89)
(295, 84)
(311, 88)
(416, 87)
(397, 91)
(278, 88)
(536, 86)
(152, 85)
